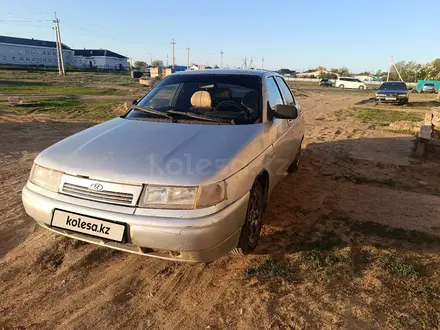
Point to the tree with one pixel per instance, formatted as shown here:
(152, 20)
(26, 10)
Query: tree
(341, 71)
(284, 71)
(157, 63)
(436, 68)
(139, 64)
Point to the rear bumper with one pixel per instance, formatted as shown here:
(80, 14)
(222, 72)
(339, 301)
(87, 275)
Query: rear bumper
(200, 239)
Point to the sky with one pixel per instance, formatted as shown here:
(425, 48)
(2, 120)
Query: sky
(298, 35)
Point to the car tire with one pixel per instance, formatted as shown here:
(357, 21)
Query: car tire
(361, 87)
(421, 92)
(295, 165)
(341, 86)
(251, 229)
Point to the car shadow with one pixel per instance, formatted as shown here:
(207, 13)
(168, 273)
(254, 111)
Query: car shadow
(350, 184)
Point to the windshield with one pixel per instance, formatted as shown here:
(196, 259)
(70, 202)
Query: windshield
(393, 86)
(234, 98)
(429, 85)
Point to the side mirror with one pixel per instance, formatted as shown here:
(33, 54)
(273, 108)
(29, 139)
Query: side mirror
(283, 111)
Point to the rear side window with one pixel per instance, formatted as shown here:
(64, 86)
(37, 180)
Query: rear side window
(273, 94)
(285, 91)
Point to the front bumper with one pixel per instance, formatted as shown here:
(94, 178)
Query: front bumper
(198, 239)
(386, 99)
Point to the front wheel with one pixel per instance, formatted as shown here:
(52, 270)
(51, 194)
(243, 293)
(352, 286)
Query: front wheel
(361, 87)
(250, 232)
(341, 86)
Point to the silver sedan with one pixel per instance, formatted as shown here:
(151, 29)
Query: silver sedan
(184, 175)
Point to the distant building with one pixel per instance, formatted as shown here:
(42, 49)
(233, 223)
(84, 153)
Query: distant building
(23, 51)
(99, 58)
(155, 72)
(364, 78)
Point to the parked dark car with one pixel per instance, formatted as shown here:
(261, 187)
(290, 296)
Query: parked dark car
(326, 83)
(392, 92)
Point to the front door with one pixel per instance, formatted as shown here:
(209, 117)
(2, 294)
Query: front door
(295, 124)
(280, 133)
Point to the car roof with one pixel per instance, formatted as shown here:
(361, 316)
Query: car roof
(244, 72)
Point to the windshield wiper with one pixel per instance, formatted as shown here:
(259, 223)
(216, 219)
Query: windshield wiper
(151, 111)
(200, 117)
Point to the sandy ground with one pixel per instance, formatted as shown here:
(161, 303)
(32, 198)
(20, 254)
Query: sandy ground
(47, 281)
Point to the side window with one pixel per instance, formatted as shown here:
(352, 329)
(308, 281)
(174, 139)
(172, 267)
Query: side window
(285, 91)
(273, 93)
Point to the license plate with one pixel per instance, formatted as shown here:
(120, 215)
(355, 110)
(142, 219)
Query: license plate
(87, 225)
(390, 98)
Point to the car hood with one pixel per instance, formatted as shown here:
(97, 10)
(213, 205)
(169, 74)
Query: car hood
(133, 151)
(391, 91)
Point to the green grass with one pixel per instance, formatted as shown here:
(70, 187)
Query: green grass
(402, 131)
(268, 269)
(22, 87)
(322, 260)
(399, 265)
(384, 117)
(69, 108)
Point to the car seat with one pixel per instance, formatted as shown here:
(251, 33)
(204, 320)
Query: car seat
(201, 102)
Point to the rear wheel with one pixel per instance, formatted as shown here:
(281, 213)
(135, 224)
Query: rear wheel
(361, 87)
(341, 86)
(250, 232)
(295, 165)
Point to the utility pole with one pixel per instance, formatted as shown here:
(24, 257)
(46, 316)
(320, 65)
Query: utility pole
(173, 42)
(151, 58)
(262, 63)
(389, 68)
(188, 49)
(251, 64)
(221, 59)
(59, 46)
(244, 65)
(395, 67)
(167, 60)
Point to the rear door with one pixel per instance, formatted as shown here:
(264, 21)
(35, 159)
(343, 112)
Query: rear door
(280, 133)
(295, 127)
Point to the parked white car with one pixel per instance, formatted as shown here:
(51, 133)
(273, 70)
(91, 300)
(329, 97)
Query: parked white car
(347, 82)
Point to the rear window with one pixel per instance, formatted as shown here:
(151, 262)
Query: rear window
(430, 85)
(393, 86)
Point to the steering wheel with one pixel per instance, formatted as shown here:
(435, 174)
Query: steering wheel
(231, 106)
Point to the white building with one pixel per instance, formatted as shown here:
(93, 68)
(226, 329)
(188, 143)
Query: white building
(99, 58)
(22, 51)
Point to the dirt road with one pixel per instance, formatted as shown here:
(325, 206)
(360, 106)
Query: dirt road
(349, 170)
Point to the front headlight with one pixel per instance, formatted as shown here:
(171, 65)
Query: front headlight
(45, 178)
(185, 198)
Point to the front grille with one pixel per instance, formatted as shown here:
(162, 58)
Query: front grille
(98, 195)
